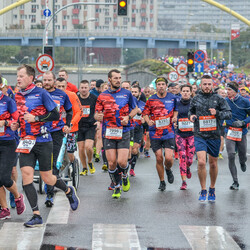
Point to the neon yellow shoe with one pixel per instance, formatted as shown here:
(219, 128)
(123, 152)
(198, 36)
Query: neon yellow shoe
(125, 184)
(84, 172)
(91, 168)
(94, 151)
(104, 167)
(97, 157)
(117, 193)
(220, 156)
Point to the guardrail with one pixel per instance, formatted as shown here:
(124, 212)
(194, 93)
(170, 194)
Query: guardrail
(118, 33)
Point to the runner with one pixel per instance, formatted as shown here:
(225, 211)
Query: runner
(184, 135)
(236, 131)
(138, 129)
(63, 73)
(77, 114)
(115, 107)
(8, 115)
(87, 127)
(206, 110)
(36, 109)
(160, 112)
(63, 104)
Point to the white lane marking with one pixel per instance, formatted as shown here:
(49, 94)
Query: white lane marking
(59, 213)
(209, 238)
(16, 236)
(114, 236)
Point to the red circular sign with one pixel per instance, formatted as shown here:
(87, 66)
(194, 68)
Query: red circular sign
(44, 63)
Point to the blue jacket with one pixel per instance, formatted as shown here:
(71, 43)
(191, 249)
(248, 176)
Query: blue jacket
(94, 92)
(240, 107)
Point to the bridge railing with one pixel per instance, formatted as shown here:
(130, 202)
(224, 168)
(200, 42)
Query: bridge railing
(117, 33)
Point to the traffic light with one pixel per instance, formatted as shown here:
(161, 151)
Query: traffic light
(48, 50)
(190, 61)
(122, 8)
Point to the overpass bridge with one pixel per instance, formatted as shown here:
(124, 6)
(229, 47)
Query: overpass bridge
(115, 39)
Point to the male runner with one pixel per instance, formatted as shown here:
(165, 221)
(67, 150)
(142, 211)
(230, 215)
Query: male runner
(36, 109)
(206, 110)
(115, 107)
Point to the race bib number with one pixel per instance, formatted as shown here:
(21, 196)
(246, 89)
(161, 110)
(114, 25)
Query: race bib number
(57, 105)
(26, 144)
(137, 117)
(2, 129)
(86, 111)
(234, 134)
(207, 123)
(162, 122)
(114, 133)
(185, 125)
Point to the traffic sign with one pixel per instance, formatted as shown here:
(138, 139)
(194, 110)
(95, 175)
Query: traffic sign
(47, 12)
(199, 56)
(182, 80)
(44, 63)
(199, 67)
(173, 76)
(182, 69)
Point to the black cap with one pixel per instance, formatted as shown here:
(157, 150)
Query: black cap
(99, 82)
(172, 84)
(135, 83)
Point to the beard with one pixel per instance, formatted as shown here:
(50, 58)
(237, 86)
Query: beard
(114, 86)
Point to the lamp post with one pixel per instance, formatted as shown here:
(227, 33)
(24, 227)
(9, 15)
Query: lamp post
(80, 51)
(19, 61)
(85, 52)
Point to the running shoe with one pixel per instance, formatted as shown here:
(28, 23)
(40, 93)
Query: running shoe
(117, 193)
(131, 172)
(162, 186)
(203, 195)
(84, 172)
(211, 195)
(97, 157)
(125, 183)
(146, 154)
(20, 206)
(49, 201)
(94, 151)
(105, 167)
(235, 186)
(220, 156)
(91, 168)
(35, 221)
(170, 176)
(74, 201)
(5, 214)
(183, 186)
(111, 186)
(189, 174)
(12, 201)
(243, 167)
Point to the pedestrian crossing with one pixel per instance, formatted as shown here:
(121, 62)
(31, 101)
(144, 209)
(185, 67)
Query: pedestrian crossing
(14, 235)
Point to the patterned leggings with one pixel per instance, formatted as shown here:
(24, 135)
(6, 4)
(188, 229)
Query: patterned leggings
(186, 150)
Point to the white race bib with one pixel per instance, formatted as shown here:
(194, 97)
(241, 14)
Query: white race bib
(162, 122)
(234, 134)
(185, 125)
(86, 110)
(207, 123)
(2, 129)
(114, 133)
(26, 144)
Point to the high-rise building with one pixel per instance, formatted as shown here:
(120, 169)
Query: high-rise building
(142, 15)
(186, 15)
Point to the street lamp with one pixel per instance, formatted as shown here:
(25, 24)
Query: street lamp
(85, 53)
(91, 19)
(19, 61)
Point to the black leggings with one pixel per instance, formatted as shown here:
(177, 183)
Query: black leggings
(7, 159)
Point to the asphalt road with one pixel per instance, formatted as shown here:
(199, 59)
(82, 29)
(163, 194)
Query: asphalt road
(159, 220)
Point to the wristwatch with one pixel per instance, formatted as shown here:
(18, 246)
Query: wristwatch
(36, 118)
(129, 117)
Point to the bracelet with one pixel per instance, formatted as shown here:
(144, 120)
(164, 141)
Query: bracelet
(6, 123)
(129, 117)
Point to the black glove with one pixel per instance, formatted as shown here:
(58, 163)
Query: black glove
(238, 124)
